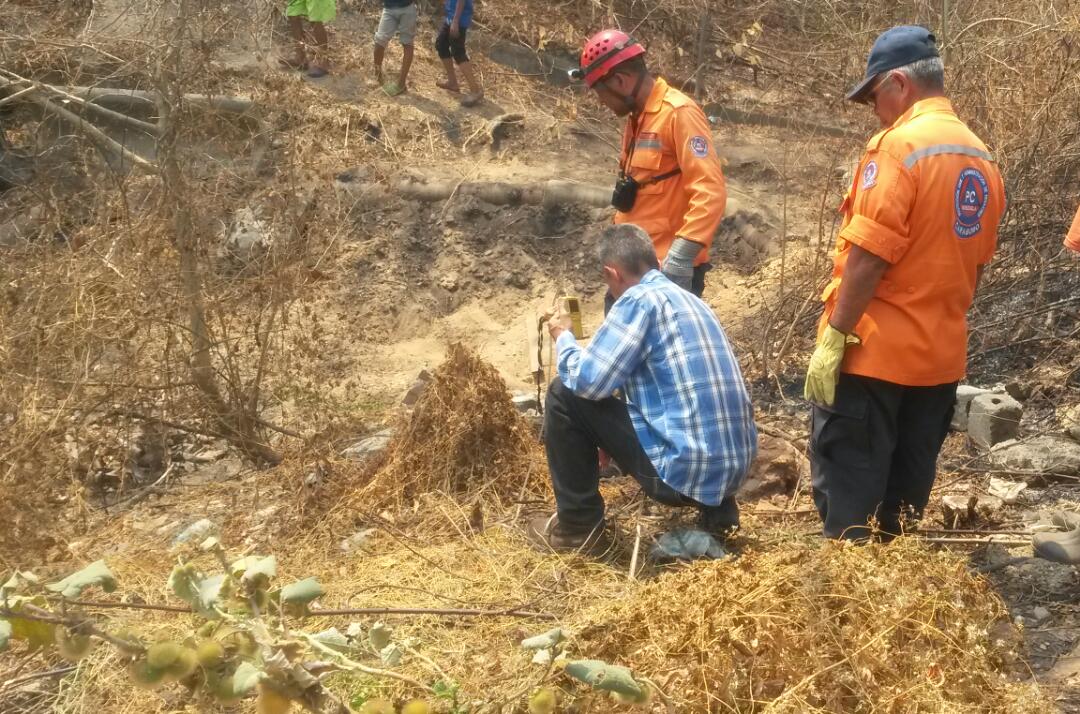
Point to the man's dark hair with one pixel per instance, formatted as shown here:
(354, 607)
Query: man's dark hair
(633, 66)
(628, 248)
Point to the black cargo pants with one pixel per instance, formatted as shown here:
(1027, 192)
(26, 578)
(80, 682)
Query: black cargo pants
(873, 454)
(574, 428)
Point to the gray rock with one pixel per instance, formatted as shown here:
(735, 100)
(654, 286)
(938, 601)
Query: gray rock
(776, 470)
(247, 239)
(197, 532)
(1040, 613)
(369, 447)
(524, 402)
(1070, 420)
(964, 394)
(417, 389)
(357, 540)
(1019, 391)
(1042, 454)
(993, 418)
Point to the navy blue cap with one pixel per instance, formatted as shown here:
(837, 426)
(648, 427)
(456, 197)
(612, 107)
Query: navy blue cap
(896, 47)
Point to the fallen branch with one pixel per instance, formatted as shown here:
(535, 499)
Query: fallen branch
(12, 97)
(144, 492)
(545, 193)
(347, 663)
(58, 672)
(444, 612)
(798, 442)
(974, 541)
(139, 124)
(109, 95)
(97, 136)
(36, 614)
(103, 140)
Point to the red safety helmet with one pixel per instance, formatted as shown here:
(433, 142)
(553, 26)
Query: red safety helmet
(603, 52)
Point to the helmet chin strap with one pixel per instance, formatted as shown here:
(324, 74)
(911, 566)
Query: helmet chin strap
(630, 100)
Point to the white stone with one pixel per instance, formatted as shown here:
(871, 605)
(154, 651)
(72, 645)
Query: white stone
(964, 394)
(993, 418)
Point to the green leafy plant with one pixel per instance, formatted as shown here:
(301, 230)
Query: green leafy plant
(245, 641)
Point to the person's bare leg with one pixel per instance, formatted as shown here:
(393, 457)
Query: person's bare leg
(476, 92)
(451, 84)
(380, 53)
(322, 42)
(406, 63)
(296, 31)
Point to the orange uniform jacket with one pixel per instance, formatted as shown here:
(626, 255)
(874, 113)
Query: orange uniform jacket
(927, 198)
(1072, 241)
(673, 133)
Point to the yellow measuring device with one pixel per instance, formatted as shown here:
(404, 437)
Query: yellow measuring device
(570, 304)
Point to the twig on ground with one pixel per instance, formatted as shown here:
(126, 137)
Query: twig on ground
(58, 672)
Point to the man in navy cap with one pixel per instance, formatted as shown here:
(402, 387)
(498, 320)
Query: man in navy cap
(920, 224)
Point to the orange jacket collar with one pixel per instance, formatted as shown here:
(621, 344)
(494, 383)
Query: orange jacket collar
(656, 96)
(925, 106)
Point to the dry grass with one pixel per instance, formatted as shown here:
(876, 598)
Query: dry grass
(809, 628)
(464, 438)
(795, 628)
(798, 628)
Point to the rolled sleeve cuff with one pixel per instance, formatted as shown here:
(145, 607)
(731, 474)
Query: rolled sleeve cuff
(872, 236)
(566, 341)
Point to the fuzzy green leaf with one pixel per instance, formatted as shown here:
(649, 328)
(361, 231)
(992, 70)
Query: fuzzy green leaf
(20, 581)
(246, 677)
(97, 573)
(5, 634)
(334, 639)
(202, 594)
(302, 592)
(391, 655)
(379, 636)
(35, 633)
(256, 570)
(545, 641)
(609, 677)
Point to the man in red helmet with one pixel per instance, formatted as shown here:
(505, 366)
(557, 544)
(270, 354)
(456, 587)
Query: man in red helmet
(670, 180)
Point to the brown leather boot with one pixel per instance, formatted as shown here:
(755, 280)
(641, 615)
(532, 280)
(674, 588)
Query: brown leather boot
(548, 534)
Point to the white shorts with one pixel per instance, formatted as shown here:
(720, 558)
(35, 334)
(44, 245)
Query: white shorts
(400, 21)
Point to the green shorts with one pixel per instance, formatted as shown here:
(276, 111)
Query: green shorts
(313, 10)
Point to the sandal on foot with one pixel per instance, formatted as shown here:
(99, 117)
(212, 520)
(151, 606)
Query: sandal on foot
(545, 533)
(452, 88)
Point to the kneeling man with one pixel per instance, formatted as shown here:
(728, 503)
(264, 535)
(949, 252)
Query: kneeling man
(685, 430)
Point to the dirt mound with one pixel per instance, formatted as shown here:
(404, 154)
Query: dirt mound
(463, 438)
(808, 628)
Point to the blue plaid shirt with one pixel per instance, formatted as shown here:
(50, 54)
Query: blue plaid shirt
(686, 396)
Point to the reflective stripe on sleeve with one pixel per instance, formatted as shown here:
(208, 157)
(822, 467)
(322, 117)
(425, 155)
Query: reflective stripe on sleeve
(938, 149)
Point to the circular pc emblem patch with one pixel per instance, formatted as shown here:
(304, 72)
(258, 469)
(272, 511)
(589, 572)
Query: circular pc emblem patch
(869, 175)
(699, 146)
(972, 197)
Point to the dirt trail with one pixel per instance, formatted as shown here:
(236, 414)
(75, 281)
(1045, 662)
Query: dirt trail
(476, 270)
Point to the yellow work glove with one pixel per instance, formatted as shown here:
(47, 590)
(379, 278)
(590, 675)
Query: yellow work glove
(824, 369)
